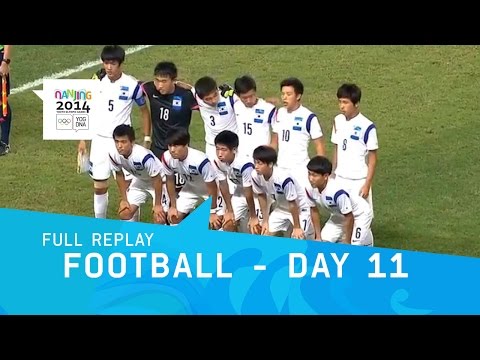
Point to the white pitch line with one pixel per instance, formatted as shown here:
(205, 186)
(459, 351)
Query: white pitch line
(71, 71)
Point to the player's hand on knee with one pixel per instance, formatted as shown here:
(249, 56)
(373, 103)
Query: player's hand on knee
(215, 222)
(124, 210)
(172, 215)
(265, 229)
(297, 233)
(254, 225)
(228, 217)
(159, 216)
(124, 205)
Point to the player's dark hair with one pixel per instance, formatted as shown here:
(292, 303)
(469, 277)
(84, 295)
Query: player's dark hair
(293, 82)
(124, 130)
(320, 165)
(113, 53)
(227, 138)
(166, 69)
(244, 84)
(351, 92)
(265, 154)
(178, 137)
(204, 86)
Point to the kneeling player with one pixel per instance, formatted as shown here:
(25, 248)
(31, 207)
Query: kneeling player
(350, 214)
(147, 172)
(238, 170)
(291, 211)
(197, 171)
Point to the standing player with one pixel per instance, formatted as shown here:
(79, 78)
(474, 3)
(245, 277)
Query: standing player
(198, 173)
(238, 169)
(216, 111)
(217, 114)
(294, 127)
(351, 215)
(291, 214)
(147, 172)
(118, 92)
(254, 116)
(170, 108)
(356, 144)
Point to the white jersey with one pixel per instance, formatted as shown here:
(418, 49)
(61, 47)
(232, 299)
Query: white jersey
(294, 131)
(239, 172)
(195, 170)
(337, 201)
(218, 118)
(116, 102)
(254, 125)
(281, 187)
(141, 163)
(354, 138)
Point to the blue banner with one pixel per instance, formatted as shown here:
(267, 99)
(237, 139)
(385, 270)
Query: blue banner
(59, 264)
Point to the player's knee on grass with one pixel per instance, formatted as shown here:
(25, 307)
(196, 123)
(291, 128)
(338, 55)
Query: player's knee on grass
(179, 219)
(160, 221)
(129, 214)
(230, 226)
(126, 214)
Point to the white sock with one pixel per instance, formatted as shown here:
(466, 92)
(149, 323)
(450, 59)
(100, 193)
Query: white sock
(100, 205)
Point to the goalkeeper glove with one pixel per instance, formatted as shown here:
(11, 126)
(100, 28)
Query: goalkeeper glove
(99, 75)
(226, 90)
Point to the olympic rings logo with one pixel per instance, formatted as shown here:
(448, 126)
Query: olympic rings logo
(64, 121)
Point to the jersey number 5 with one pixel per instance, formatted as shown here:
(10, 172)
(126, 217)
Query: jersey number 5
(110, 105)
(344, 145)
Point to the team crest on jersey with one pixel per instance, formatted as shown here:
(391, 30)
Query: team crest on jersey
(278, 188)
(222, 108)
(123, 93)
(137, 165)
(193, 170)
(330, 201)
(297, 126)
(177, 103)
(356, 131)
(258, 116)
